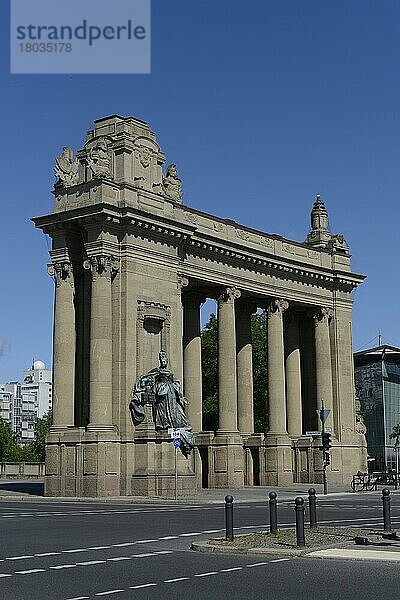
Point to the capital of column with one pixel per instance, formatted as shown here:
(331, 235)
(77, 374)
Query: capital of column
(182, 282)
(102, 265)
(277, 305)
(61, 271)
(229, 294)
(322, 315)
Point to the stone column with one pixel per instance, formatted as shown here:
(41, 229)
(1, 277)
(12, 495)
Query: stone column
(192, 375)
(276, 368)
(244, 359)
(100, 412)
(64, 341)
(293, 376)
(278, 459)
(228, 451)
(323, 361)
(227, 383)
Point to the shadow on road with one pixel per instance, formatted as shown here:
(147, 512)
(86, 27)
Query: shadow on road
(35, 488)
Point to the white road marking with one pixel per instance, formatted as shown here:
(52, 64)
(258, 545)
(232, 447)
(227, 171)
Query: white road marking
(279, 560)
(79, 598)
(117, 558)
(169, 537)
(145, 541)
(206, 574)
(144, 585)
(124, 544)
(99, 548)
(260, 564)
(48, 554)
(177, 579)
(18, 557)
(74, 550)
(91, 562)
(30, 571)
(63, 567)
(232, 569)
(109, 592)
(5, 574)
(190, 534)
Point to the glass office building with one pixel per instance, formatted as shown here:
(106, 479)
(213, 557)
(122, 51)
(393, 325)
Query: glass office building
(377, 378)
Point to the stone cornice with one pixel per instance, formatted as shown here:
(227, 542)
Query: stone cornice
(188, 237)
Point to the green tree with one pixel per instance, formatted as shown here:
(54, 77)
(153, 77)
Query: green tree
(9, 448)
(209, 345)
(395, 435)
(209, 359)
(42, 428)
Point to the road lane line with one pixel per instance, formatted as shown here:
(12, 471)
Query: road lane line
(30, 571)
(279, 560)
(91, 562)
(169, 537)
(260, 564)
(206, 574)
(231, 569)
(190, 534)
(48, 554)
(79, 598)
(145, 541)
(6, 574)
(124, 544)
(144, 585)
(74, 550)
(18, 557)
(177, 579)
(117, 558)
(109, 592)
(63, 567)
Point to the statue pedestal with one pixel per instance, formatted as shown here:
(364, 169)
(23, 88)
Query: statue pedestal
(154, 474)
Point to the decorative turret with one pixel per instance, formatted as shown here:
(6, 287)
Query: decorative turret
(320, 235)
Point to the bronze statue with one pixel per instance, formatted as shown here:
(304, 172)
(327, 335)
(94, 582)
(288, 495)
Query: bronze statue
(159, 388)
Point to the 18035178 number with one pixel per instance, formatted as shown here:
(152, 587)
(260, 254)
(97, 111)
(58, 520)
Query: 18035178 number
(46, 47)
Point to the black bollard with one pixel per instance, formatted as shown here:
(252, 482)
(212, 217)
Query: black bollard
(229, 518)
(299, 508)
(386, 510)
(273, 514)
(312, 503)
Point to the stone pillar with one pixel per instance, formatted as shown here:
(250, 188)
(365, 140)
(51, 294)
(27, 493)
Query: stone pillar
(293, 376)
(228, 448)
(276, 368)
(323, 361)
(63, 345)
(192, 377)
(100, 412)
(227, 383)
(278, 458)
(244, 359)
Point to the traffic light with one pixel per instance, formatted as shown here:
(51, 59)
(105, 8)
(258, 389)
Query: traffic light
(327, 458)
(326, 441)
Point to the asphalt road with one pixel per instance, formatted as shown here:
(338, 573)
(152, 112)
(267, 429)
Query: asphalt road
(80, 550)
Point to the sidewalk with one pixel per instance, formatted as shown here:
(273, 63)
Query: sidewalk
(33, 490)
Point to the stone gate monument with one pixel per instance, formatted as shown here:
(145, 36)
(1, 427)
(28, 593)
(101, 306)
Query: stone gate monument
(128, 255)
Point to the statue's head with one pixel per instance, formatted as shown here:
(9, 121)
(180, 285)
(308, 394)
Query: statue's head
(163, 357)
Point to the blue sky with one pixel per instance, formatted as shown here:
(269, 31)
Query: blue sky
(261, 105)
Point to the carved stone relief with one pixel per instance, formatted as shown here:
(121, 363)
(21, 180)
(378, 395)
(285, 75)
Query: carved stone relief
(67, 168)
